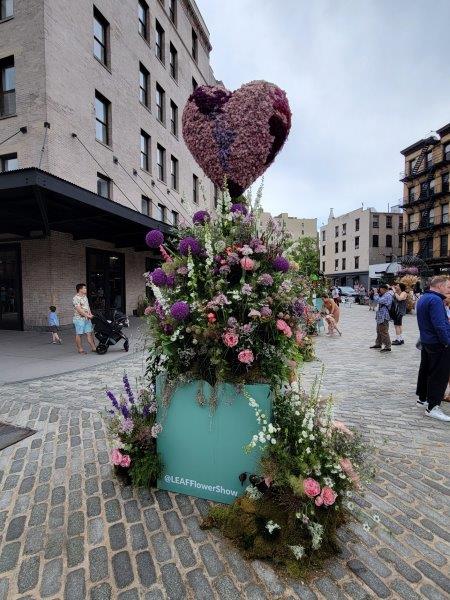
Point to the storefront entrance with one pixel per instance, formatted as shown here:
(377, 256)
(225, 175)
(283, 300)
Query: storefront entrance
(105, 281)
(10, 287)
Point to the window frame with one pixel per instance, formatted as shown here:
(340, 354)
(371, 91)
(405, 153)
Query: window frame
(175, 218)
(144, 91)
(173, 62)
(104, 23)
(336, 264)
(356, 262)
(173, 118)
(4, 158)
(143, 26)
(357, 242)
(441, 245)
(375, 221)
(445, 187)
(6, 17)
(195, 189)
(194, 84)
(162, 213)
(7, 63)
(173, 10)
(444, 213)
(375, 245)
(160, 108)
(389, 241)
(145, 158)
(161, 153)
(108, 181)
(107, 124)
(160, 37)
(344, 264)
(145, 201)
(389, 222)
(344, 245)
(357, 224)
(174, 174)
(194, 45)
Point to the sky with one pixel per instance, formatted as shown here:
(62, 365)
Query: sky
(364, 79)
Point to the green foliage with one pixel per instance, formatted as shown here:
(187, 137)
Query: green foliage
(306, 255)
(146, 469)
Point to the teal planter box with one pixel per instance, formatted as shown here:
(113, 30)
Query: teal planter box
(202, 448)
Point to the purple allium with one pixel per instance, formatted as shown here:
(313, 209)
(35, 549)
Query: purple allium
(265, 311)
(233, 258)
(265, 279)
(255, 242)
(127, 387)
(189, 244)
(113, 399)
(154, 238)
(159, 311)
(239, 208)
(201, 217)
(246, 289)
(298, 306)
(167, 328)
(170, 281)
(281, 264)
(180, 310)
(158, 277)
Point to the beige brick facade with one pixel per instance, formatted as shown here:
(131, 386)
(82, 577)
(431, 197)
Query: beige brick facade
(296, 226)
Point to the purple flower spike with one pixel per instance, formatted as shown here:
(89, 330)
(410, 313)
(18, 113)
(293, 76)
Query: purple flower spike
(201, 217)
(189, 244)
(154, 238)
(158, 277)
(128, 390)
(281, 264)
(239, 208)
(125, 411)
(113, 399)
(180, 310)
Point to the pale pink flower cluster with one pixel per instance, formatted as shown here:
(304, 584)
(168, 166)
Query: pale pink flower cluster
(120, 460)
(230, 339)
(284, 328)
(349, 470)
(322, 497)
(246, 357)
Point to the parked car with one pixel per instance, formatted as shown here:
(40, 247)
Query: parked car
(347, 292)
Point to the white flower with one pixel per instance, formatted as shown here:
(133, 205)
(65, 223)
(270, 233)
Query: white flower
(312, 437)
(376, 518)
(366, 527)
(308, 450)
(253, 492)
(298, 551)
(350, 505)
(349, 494)
(328, 481)
(271, 526)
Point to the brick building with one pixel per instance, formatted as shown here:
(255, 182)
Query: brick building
(425, 201)
(296, 226)
(352, 243)
(91, 152)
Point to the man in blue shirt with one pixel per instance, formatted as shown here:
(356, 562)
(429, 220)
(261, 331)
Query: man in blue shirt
(434, 330)
(382, 317)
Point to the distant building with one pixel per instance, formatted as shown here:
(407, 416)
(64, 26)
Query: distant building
(351, 243)
(425, 201)
(296, 226)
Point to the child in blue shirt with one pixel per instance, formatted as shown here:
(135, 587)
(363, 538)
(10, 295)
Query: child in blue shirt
(53, 324)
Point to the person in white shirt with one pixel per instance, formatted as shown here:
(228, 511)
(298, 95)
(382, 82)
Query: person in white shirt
(82, 318)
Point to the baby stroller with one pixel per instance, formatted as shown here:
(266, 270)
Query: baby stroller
(109, 332)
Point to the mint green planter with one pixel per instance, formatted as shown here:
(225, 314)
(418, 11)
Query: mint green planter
(203, 448)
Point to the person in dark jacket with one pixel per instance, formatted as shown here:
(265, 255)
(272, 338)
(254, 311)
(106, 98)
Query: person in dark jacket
(434, 330)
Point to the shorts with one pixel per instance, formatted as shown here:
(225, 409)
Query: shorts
(53, 328)
(398, 320)
(82, 326)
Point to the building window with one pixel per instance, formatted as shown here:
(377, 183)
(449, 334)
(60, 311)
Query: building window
(103, 186)
(8, 162)
(102, 119)
(101, 30)
(376, 221)
(344, 228)
(356, 242)
(323, 267)
(344, 266)
(6, 9)
(175, 218)
(173, 61)
(427, 188)
(173, 118)
(443, 248)
(195, 189)
(389, 241)
(173, 11)
(161, 216)
(344, 246)
(375, 241)
(356, 262)
(445, 213)
(336, 247)
(447, 152)
(411, 195)
(174, 173)
(336, 231)
(389, 221)
(323, 250)
(323, 235)
(194, 85)
(159, 42)
(430, 158)
(400, 222)
(412, 164)
(426, 249)
(336, 265)
(161, 162)
(143, 19)
(145, 206)
(144, 80)
(7, 87)
(445, 187)
(145, 156)
(409, 247)
(160, 103)
(194, 45)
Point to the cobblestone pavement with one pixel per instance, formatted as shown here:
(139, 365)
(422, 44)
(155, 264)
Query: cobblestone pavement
(70, 531)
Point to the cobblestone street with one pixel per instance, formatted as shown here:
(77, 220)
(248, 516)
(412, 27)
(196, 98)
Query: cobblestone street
(70, 531)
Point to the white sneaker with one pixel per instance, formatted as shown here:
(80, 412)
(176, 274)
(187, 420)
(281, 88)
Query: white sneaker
(422, 403)
(436, 413)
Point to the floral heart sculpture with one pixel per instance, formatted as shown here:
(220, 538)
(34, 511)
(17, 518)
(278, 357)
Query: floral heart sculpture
(236, 135)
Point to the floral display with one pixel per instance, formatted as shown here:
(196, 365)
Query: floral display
(235, 136)
(311, 467)
(132, 420)
(229, 303)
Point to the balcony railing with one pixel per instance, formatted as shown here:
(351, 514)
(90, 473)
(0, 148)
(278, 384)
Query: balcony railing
(7, 103)
(425, 167)
(429, 222)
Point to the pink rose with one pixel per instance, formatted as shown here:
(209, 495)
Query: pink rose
(284, 327)
(126, 461)
(247, 263)
(329, 496)
(230, 339)
(148, 310)
(311, 487)
(318, 501)
(349, 470)
(246, 357)
(116, 456)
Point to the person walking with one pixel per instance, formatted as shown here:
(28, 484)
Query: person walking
(82, 318)
(53, 325)
(400, 297)
(382, 318)
(434, 327)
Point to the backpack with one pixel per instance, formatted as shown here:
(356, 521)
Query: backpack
(394, 309)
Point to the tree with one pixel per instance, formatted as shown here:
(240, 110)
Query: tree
(307, 256)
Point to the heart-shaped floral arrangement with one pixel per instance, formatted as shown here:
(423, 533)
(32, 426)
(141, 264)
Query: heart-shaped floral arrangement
(235, 136)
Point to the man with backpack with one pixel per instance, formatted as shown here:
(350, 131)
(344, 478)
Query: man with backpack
(382, 316)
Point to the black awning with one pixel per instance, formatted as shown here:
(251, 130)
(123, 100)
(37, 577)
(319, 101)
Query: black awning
(33, 203)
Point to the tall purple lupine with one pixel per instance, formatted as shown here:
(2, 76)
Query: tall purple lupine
(128, 390)
(113, 399)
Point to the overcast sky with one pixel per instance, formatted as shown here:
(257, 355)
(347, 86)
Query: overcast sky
(364, 78)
